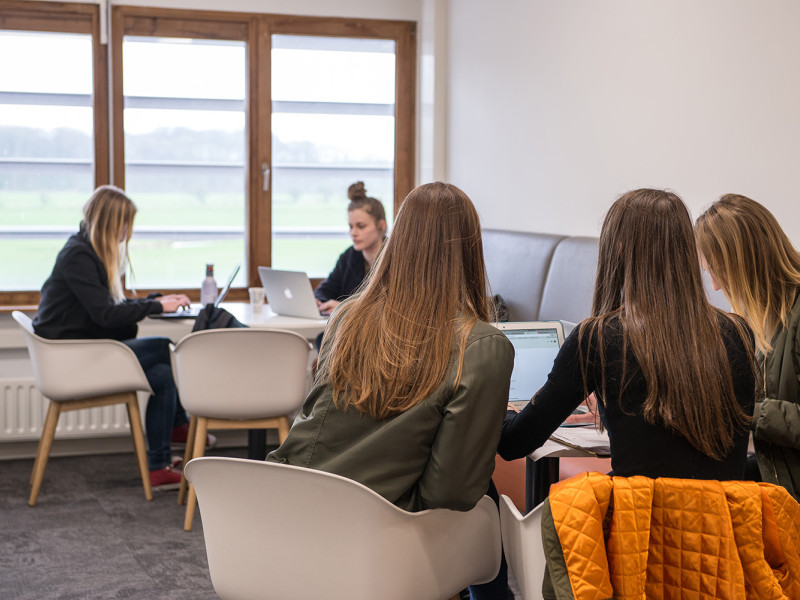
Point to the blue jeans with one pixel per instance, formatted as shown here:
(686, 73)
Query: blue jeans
(164, 410)
(497, 588)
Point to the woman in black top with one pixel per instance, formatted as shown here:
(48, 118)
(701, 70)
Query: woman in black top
(367, 221)
(673, 376)
(83, 298)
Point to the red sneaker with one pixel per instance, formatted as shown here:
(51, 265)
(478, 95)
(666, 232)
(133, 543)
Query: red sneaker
(179, 435)
(168, 478)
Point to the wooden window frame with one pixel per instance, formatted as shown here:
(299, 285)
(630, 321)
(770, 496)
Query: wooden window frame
(51, 17)
(255, 30)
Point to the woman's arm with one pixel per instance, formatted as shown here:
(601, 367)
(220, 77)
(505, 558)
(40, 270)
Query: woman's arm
(525, 431)
(331, 287)
(462, 455)
(778, 421)
(86, 281)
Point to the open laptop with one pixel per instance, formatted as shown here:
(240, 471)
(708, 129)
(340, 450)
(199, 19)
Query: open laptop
(289, 293)
(536, 344)
(192, 311)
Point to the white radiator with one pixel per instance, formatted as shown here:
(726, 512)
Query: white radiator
(23, 409)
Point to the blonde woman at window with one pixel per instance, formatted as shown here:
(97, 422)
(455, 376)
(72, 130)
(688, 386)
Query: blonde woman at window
(83, 298)
(750, 258)
(367, 221)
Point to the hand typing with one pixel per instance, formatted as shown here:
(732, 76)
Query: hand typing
(172, 302)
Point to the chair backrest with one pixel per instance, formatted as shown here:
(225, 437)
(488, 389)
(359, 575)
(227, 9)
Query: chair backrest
(76, 369)
(569, 287)
(522, 543)
(241, 373)
(517, 265)
(275, 531)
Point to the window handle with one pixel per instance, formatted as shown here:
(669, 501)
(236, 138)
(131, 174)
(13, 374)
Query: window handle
(265, 175)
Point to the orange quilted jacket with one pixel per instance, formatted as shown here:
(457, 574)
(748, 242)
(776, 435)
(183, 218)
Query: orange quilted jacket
(639, 538)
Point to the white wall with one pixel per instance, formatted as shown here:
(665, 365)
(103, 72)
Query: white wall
(555, 108)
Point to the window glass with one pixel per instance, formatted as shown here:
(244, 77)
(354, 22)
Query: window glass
(185, 144)
(333, 123)
(46, 149)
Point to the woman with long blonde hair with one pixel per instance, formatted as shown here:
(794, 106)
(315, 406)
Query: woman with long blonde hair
(751, 259)
(412, 382)
(672, 374)
(83, 298)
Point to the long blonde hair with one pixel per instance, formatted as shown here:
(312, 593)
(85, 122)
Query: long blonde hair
(648, 277)
(108, 218)
(392, 342)
(752, 260)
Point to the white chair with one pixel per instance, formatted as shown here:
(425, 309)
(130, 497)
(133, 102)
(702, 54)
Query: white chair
(522, 544)
(237, 379)
(76, 374)
(280, 532)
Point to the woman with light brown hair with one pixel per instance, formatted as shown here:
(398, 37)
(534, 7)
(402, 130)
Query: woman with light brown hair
(83, 298)
(673, 375)
(751, 259)
(412, 382)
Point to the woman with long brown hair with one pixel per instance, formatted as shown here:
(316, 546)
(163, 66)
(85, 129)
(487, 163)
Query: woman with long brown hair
(412, 383)
(83, 298)
(751, 259)
(673, 375)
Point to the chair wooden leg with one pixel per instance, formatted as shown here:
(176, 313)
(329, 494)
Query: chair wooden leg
(199, 450)
(135, 420)
(43, 452)
(283, 428)
(190, 436)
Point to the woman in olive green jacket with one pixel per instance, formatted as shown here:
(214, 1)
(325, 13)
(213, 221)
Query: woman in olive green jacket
(751, 259)
(412, 382)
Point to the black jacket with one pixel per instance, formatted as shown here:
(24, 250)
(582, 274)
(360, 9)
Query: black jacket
(76, 301)
(345, 278)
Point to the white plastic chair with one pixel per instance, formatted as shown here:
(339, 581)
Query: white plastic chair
(237, 379)
(522, 544)
(76, 374)
(280, 532)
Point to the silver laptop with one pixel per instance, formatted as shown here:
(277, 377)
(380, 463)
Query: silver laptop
(289, 293)
(193, 311)
(536, 344)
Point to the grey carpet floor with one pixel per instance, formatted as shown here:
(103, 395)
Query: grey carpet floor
(93, 535)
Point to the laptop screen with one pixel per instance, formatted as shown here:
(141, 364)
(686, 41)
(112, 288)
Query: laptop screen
(535, 350)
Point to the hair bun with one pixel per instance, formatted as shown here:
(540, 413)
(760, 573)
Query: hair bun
(357, 191)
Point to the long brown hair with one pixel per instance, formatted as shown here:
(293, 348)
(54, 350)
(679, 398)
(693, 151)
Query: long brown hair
(392, 342)
(108, 218)
(648, 276)
(752, 260)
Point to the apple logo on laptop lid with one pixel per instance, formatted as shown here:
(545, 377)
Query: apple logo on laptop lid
(288, 293)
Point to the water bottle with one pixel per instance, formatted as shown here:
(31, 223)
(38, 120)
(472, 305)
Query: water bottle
(208, 291)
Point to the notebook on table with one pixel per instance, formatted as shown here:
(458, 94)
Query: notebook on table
(192, 311)
(289, 293)
(536, 344)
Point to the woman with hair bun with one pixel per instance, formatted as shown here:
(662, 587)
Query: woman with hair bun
(367, 220)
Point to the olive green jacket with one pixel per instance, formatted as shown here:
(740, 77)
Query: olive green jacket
(776, 420)
(438, 454)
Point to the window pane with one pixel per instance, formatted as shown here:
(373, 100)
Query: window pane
(332, 124)
(185, 146)
(46, 149)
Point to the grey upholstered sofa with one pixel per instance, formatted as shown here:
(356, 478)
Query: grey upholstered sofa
(548, 277)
